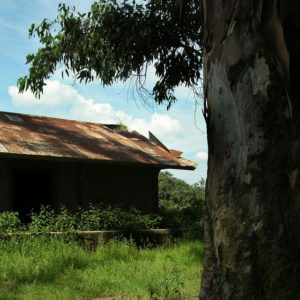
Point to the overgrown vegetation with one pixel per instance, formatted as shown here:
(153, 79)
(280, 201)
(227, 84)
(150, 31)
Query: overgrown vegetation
(93, 218)
(181, 206)
(47, 268)
(47, 220)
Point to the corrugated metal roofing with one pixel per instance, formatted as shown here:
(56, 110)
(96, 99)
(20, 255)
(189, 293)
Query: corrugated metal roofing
(29, 135)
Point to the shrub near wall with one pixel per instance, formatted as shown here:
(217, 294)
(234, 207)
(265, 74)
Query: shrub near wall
(47, 220)
(10, 222)
(95, 219)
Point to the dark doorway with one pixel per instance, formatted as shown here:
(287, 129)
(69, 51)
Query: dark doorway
(31, 188)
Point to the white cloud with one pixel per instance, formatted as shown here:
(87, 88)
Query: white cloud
(202, 155)
(55, 94)
(160, 124)
(91, 111)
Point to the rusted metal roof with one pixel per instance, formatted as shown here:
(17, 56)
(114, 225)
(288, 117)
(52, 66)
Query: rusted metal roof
(175, 153)
(43, 137)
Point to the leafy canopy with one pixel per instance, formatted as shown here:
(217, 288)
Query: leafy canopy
(117, 40)
(176, 193)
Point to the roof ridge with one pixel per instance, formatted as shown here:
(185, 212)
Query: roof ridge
(56, 118)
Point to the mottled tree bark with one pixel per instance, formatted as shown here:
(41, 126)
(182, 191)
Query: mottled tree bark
(252, 224)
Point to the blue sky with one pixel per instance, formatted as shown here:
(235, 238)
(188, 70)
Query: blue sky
(180, 128)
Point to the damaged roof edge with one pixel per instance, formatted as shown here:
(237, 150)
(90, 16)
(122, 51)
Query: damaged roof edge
(93, 161)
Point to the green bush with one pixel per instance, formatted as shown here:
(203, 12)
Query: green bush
(114, 218)
(47, 220)
(93, 218)
(9, 222)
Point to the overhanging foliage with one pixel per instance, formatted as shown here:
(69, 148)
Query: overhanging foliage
(117, 40)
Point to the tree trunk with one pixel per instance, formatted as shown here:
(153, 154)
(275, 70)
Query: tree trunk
(252, 224)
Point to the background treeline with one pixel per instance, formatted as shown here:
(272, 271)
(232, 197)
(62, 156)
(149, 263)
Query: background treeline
(180, 206)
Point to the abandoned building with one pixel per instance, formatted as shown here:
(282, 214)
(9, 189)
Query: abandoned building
(62, 162)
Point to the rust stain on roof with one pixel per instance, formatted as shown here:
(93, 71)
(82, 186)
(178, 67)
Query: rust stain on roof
(59, 138)
(175, 153)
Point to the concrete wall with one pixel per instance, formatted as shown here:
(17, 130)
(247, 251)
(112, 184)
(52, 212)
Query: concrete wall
(78, 184)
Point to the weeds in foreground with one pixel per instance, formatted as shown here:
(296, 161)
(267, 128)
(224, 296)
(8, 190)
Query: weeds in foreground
(47, 268)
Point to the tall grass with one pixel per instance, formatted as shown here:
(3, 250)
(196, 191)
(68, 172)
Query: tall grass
(47, 268)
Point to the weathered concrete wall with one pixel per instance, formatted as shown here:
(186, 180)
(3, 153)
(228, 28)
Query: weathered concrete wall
(79, 184)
